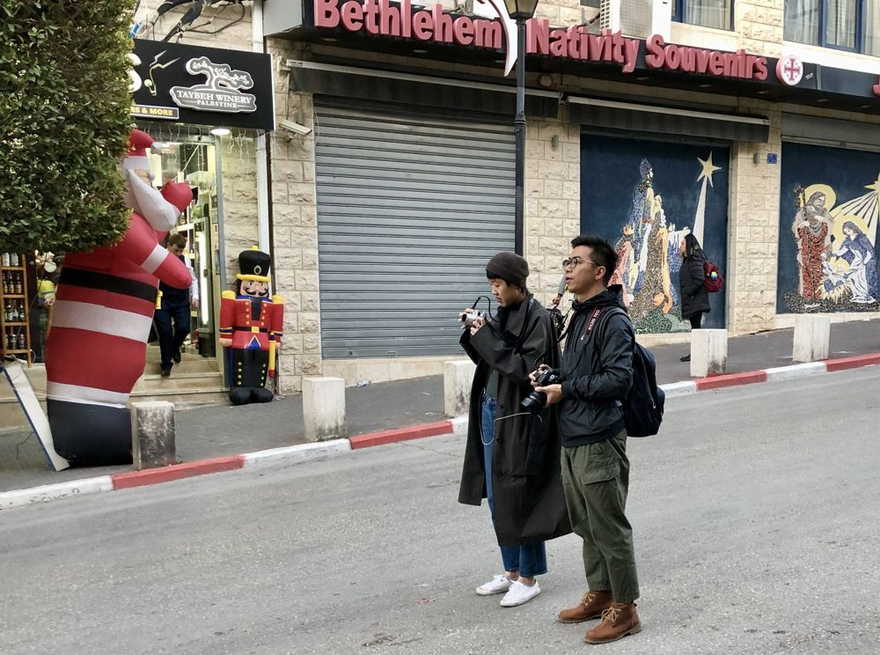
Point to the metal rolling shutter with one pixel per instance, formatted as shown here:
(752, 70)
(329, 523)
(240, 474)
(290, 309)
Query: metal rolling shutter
(409, 212)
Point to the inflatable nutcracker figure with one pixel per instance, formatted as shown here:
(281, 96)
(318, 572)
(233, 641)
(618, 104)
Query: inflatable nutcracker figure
(104, 304)
(251, 324)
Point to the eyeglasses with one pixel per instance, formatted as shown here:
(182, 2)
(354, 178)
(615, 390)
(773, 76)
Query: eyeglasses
(574, 262)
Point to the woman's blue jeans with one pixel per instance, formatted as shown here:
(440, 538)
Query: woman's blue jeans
(529, 559)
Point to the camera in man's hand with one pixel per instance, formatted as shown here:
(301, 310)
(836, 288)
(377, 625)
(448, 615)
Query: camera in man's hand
(468, 317)
(543, 377)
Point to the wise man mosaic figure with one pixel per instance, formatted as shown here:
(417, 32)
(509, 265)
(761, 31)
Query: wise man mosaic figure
(812, 232)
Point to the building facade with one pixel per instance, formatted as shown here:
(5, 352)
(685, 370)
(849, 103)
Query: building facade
(389, 176)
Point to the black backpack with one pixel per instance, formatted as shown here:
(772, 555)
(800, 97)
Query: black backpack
(643, 405)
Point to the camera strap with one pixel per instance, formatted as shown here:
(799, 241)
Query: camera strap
(590, 325)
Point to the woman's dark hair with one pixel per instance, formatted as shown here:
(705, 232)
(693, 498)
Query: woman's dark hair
(522, 287)
(691, 246)
(603, 253)
(852, 226)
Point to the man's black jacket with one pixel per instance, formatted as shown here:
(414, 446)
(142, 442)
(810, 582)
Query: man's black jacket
(596, 370)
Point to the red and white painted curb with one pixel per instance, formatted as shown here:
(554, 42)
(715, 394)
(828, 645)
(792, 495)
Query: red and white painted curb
(769, 375)
(289, 455)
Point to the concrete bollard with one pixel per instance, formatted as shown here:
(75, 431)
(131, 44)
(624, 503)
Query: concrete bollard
(324, 408)
(812, 338)
(457, 378)
(152, 434)
(708, 352)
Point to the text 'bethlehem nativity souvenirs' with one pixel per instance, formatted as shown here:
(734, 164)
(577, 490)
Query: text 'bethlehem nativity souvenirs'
(384, 18)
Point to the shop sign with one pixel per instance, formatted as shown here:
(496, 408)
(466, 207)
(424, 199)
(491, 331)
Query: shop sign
(199, 85)
(402, 20)
(739, 64)
(221, 91)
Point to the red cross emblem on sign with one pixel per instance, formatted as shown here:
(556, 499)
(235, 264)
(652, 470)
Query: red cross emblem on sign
(790, 70)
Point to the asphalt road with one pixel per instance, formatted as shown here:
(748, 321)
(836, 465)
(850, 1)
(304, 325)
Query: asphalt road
(755, 514)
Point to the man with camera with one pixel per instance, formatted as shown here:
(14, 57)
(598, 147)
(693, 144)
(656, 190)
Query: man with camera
(512, 453)
(595, 376)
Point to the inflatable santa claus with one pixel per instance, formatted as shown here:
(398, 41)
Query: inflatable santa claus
(96, 349)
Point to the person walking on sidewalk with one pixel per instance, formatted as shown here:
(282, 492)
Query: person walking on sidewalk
(596, 374)
(174, 308)
(512, 455)
(694, 296)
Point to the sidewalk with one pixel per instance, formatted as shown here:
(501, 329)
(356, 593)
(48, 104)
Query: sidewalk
(208, 432)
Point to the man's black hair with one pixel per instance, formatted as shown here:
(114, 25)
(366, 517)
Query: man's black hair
(603, 253)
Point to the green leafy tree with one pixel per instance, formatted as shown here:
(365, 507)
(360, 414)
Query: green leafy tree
(64, 121)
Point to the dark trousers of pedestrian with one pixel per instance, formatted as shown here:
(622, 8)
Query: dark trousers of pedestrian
(696, 320)
(595, 479)
(528, 559)
(172, 324)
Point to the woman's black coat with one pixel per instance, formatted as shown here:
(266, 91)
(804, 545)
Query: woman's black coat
(694, 297)
(529, 503)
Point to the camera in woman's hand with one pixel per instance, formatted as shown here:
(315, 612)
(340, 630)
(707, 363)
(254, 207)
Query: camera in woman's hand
(468, 317)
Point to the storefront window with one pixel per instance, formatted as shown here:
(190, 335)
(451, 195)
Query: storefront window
(842, 24)
(708, 13)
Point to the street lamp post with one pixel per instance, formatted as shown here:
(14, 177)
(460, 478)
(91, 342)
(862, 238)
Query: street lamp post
(520, 11)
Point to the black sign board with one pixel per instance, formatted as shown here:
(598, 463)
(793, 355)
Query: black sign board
(206, 86)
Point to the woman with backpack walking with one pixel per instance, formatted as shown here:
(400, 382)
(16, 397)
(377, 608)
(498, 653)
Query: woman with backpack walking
(691, 280)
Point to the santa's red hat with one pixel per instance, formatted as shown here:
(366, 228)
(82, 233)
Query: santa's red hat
(178, 194)
(138, 142)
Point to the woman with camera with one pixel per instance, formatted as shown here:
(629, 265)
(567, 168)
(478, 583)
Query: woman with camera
(512, 452)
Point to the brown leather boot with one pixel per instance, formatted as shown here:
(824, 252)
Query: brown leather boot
(591, 607)
(618, 621)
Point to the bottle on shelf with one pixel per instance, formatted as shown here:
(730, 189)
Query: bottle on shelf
(19, 284)
(4, 259)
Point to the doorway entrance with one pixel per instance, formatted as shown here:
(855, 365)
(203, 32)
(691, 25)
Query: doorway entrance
(195, 160)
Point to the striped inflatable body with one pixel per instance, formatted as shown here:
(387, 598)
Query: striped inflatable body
(96, 348)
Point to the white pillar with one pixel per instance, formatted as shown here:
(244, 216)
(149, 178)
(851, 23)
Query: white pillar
(457, 378)
(324, 408)
(812, 338)
(152, 434)
(708, 352)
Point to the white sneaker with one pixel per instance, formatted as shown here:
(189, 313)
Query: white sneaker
(497, 585)
(520, 593)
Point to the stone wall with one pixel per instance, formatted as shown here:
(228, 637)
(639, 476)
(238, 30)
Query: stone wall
(759, 25)
(753, 240)
(552, 190)
(295, 229)
(562, 12)
(240, 219)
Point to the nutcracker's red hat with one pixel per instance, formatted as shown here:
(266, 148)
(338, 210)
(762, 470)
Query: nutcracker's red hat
(178, 194)
(138, 142)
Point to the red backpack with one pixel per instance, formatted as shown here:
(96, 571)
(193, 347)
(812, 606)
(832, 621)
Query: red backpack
(713, 281)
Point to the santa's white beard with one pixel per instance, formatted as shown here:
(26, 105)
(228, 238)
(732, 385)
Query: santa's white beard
(147, 201)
